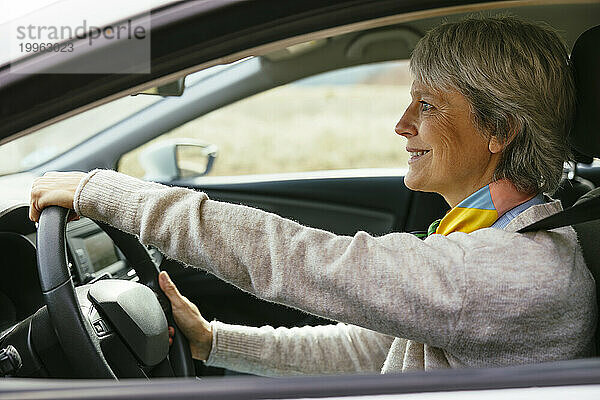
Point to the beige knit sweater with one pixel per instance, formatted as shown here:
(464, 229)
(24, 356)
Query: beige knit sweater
(489, 298)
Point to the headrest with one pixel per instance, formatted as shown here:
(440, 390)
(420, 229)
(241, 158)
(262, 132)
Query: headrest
(585, 57)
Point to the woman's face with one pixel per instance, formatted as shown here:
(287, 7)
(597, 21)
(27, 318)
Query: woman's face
(448, 155)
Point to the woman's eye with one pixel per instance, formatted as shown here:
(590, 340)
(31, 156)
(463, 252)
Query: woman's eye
(425, 106)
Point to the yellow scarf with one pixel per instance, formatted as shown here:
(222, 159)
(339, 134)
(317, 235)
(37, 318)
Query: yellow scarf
(482, 208)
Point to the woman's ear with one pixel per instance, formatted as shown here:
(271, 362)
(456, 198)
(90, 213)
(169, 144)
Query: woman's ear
(495, 145)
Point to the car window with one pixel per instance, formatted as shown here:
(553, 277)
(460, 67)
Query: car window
(343, 119)
(32, 150)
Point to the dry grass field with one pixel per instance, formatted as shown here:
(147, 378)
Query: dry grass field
(300, 128)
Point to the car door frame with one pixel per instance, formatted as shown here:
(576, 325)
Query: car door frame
(20, 115)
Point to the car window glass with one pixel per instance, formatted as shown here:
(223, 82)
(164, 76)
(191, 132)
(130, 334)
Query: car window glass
(36, 148)
(343, 119)
(43, 145)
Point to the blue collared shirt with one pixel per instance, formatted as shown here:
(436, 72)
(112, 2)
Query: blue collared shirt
(513, 212)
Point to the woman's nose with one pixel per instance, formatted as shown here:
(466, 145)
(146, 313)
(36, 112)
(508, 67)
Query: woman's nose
(406, 126)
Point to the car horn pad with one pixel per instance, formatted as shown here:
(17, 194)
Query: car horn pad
(135, 313)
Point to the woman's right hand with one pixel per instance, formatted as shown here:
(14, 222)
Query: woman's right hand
(196, 329)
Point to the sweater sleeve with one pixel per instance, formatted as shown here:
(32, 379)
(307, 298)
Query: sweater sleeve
(394, 284)
(309, 350)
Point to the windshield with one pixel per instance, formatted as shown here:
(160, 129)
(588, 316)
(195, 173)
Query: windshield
(32, 150)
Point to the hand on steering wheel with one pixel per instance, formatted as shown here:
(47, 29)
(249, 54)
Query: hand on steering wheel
(192, 324)
(68, 307)
(54, 189)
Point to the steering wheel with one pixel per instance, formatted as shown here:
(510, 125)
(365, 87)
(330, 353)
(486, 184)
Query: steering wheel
(121, 319)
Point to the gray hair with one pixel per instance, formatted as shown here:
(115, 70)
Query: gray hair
(518, 81)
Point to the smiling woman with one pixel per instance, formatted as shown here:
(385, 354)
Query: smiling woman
(473, 293)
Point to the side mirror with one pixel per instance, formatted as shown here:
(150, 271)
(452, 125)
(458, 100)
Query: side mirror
(175, 159)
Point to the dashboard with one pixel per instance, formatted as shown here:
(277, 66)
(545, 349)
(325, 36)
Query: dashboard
(94, 255)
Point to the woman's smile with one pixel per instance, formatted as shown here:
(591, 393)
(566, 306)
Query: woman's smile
(416, 155)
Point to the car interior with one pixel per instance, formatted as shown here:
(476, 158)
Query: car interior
(377, 204)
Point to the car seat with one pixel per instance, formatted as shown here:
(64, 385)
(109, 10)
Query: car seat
(573, 186)
(585, 138)
(584, 215)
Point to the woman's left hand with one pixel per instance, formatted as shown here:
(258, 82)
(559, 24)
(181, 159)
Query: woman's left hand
(53, 189)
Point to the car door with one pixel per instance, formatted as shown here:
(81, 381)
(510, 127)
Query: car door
(203, 39)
